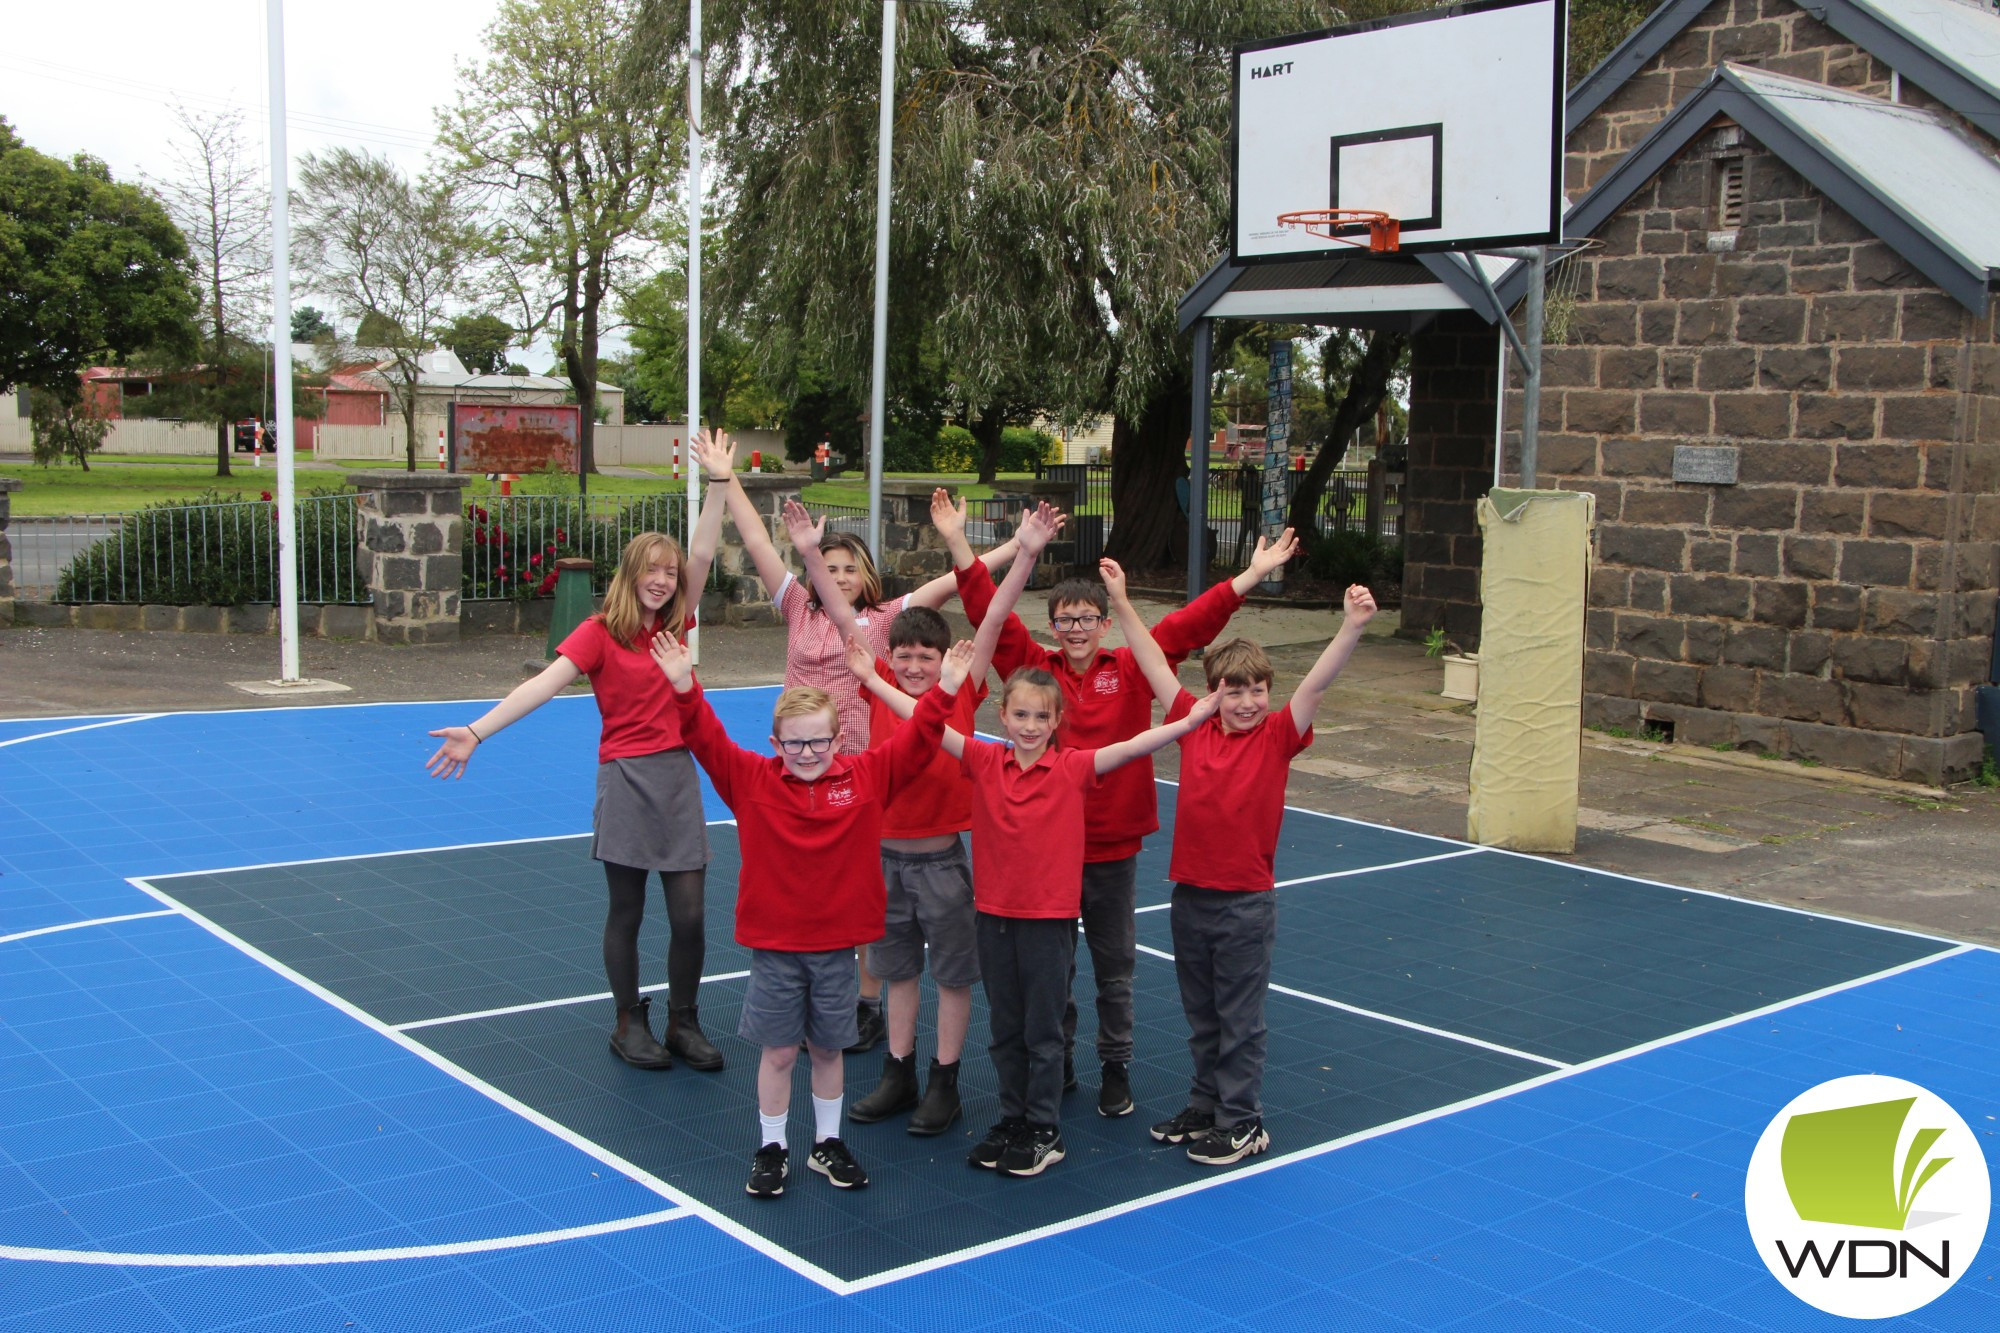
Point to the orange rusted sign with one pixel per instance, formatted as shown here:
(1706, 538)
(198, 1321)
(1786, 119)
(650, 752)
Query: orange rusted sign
(491, 437)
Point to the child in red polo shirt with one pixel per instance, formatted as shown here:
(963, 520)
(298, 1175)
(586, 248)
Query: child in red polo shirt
(1105, 699)
(928, 877)
(809, 825)
(1225, 910)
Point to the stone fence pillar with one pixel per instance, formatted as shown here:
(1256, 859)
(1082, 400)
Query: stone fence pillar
(411, 552)
(912, 553)
(745, 600)
(7, 486)
(1059, 560)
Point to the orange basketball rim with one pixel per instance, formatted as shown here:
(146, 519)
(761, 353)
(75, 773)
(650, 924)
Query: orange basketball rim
(1346, 225)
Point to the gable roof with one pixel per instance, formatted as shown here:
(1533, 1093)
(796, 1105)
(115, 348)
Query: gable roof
(1899, 171)
(1950, 49)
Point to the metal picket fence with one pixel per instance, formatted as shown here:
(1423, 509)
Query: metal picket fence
(512, 542)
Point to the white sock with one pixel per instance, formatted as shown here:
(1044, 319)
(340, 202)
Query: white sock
(774, 1127)
(826, 1118)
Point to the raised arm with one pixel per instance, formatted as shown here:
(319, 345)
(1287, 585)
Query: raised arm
(1036, 530)
(806, 536)
(952, 677)
(724, 760)
(949, 520)
(1359, 609)
(1152, 661)
(1158, 738)
(708, 525)
(459, 742)
(1265, 561)
(717, 454)
(861, 662)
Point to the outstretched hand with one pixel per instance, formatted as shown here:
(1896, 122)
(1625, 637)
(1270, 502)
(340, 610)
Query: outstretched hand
(1053, 516)
(673, 659)
(1204, 708)
(1359, 604)
(452, 757)
(1038, 529)
(948, 518)
(799, 524)
(716, 453)
(860, 659)
(1269, 557)
(1113, 575)
(957, 666)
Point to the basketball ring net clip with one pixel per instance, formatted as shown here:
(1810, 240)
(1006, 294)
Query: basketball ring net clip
(1385, 234)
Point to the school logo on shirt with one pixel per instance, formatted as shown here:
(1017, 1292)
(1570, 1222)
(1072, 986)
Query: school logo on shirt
(1105, 682)
(840, 793)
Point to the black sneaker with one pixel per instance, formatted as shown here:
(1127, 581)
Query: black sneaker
(768, 1170)
(987, 1152)
(872, 1026)
(831, 1159)
(1189, 1124)
(1034, 1150)
(1225, 1144)
(1114, 1090)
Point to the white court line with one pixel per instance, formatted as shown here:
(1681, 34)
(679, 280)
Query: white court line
(341, 1256)
(1258, 1167)
(810, 1271)
(79, 925)
(65, 731)
(371, 703)
(1343, 874)
(1377, 1014)
(375, 856)
(542, 1004)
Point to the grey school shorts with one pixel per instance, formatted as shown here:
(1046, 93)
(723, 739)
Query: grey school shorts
(930, 899)
(791, 996)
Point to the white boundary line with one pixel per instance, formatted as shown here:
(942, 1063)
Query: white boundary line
(374, 856)
(539, 1004)
(314, 708)
(341, 1256)
(1379, 1016)
(89, 726)
(810, 1271)
(1375, 1131)
(79, 925)
(1343, 874)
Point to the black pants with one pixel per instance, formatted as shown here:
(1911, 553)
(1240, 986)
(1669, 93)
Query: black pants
(1025, 965)
(1222, 957)
(1111, 932)
(685, 950)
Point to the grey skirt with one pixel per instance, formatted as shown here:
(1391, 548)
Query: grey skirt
(648, 813)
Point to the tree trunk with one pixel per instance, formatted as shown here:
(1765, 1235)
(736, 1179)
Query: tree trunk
(1149, 529)
(986, 429)
(1365, 391)
(223, 444)
(410, 425)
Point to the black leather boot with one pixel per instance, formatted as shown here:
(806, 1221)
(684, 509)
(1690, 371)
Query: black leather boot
(939, 1108)
(632, 1040)
(686, 1039)
(896, 1092)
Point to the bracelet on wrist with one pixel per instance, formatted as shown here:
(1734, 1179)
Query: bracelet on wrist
(477, 739)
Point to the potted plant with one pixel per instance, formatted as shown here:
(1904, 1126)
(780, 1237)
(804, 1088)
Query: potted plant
(1461, 669)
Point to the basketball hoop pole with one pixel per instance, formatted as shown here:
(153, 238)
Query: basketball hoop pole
(1527, 344)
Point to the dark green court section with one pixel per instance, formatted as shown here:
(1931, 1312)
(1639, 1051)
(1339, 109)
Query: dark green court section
(1555, 960)
(426, 934)
(1329, 1075)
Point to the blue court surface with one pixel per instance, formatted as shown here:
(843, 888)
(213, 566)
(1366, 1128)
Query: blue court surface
(294, 1037)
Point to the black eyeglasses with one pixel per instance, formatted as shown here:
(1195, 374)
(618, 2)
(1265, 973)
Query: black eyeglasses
(1077, 622)
(817, 744)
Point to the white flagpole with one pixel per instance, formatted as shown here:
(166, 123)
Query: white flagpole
(694, 473)
(877, 391)
(281, 352)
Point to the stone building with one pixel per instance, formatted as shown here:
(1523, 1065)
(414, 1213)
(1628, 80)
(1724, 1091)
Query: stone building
(1779, 376)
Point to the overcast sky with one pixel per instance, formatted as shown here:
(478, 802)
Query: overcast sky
(103, 78)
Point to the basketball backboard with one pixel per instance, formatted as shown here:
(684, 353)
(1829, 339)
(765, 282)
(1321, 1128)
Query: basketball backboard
(1449, 120)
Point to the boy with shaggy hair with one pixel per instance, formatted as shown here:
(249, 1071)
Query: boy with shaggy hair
(1224, 912)
(1105, 700)
(809, 822)
(928, 877)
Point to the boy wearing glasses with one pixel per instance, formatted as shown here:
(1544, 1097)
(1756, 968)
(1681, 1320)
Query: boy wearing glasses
(809, 824)
(1105, 700)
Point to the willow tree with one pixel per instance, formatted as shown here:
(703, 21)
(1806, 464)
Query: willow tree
(567, 138)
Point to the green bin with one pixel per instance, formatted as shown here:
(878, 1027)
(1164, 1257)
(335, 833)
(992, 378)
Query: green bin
(574, 603)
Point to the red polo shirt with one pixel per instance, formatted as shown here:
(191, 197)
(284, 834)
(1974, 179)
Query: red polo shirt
(1109, 701)
(1027, 829)
(632, 693)
(940, 800)
(812, 851)
(1232, 799)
